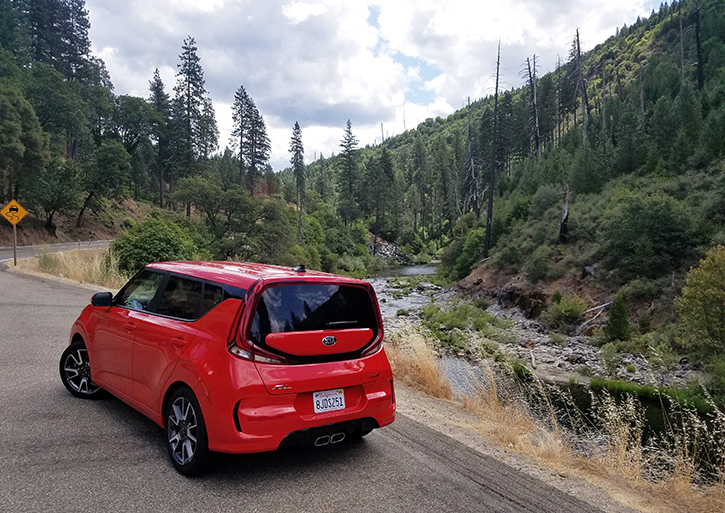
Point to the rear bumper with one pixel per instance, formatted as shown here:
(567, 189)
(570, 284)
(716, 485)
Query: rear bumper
(268, 422)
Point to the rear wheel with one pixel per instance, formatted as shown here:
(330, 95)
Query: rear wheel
(75, 372)
(186, 433)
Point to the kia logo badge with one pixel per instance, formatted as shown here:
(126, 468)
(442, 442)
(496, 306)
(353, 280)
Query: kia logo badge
(329, 341)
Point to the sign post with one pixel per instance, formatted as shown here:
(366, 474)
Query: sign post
(13, 212)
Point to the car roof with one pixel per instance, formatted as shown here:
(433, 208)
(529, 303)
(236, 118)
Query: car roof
(244, 274)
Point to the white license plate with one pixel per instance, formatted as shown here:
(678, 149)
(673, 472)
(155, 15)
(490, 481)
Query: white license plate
(328, 400)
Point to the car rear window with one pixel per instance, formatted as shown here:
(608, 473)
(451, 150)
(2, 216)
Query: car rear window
(308, 307)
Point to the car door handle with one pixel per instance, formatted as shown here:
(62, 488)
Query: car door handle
(178, 342)
(130, 326)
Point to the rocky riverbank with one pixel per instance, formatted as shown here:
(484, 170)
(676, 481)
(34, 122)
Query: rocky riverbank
(558, 359)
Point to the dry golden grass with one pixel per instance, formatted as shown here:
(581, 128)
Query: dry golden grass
(93, 266)
(616, 466)
(414, 364)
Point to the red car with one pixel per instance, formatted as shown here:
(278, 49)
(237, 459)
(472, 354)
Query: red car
(235, 357)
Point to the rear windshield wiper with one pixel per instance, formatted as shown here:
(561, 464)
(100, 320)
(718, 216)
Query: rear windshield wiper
(339, 323)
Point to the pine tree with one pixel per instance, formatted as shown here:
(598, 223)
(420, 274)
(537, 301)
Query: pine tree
(241, 128)
(77, 44)
(161, 104)
(208, 130)
(257, 147)
(348, 175)
(298, 168)
(617, 327)
(187, 107)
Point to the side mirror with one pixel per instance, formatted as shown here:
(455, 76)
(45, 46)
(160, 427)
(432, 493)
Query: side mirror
(102, 299)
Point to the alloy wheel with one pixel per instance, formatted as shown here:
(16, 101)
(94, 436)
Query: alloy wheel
(77, 370)
(182, 431)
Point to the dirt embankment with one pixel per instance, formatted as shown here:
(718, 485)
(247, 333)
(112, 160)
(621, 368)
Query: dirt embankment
(104, 225)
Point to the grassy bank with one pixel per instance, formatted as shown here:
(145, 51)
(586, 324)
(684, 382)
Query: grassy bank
(92, 266)
(660, 475)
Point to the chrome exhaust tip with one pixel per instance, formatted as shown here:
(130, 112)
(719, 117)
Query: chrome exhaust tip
(337, 437)
(323, 440)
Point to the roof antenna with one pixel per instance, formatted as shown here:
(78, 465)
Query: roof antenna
(300, 269)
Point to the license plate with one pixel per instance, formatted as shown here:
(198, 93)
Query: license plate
(329, 400)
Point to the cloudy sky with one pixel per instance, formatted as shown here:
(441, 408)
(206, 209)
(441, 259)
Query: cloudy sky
(322, 62)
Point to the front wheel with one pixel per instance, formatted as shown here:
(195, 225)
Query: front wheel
(186, 433)
(75, 372)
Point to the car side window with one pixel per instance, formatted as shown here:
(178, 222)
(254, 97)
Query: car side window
(140, 291)
(213, 295)
(181, 298)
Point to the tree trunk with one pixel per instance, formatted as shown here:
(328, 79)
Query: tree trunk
(604, 97)
(564, 223)
(700, 58)
(641, 91)
(79, 221)
(682, 46)
(494, 157)
(472, 168)
(534, 107)
(582, 84)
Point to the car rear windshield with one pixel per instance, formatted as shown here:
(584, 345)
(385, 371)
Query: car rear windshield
(308, 307)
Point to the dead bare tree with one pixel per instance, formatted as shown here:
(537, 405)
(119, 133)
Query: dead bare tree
(534, 106)
(494, 159)
(682, 45)
(473, 177)
(641, 89)
(564, 223)
(698, 44)
(582, 86)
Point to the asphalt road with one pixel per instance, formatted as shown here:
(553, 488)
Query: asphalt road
(58, 453)
(6, 254)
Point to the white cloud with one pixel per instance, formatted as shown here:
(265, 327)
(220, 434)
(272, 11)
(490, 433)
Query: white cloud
(299, 12)
(321, 62)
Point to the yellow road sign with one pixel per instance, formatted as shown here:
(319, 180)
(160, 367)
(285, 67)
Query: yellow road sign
(13, 212)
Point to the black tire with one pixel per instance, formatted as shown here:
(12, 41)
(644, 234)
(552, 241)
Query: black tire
(75, 372)
(186, 439)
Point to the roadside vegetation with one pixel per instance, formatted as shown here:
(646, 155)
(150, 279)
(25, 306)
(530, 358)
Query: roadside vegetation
(90, 266)
(670, 472)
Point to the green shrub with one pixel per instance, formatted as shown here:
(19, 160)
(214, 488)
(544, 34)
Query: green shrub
(647, 235)
(645, 288)
(402, 312)
(556, 296)
(716, 376)
(610, 357)
(617, 327)
(481, 302)
(154, 240)
(631, 368)
(567, 311)
(538, 266)
(702, 306)
(557, 339)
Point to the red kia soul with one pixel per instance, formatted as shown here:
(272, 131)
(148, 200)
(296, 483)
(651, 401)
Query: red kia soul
(236, 358)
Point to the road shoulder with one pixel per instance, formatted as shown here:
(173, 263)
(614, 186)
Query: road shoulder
(451, 419)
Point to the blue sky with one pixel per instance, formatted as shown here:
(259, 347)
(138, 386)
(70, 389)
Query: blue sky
(322, 62)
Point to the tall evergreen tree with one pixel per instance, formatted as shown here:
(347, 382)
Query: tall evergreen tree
(298, 168)
(257, 147)
(187, 108)
(348, 175)
(76, 43)
(161, 103)
(240, 133)
(208, 130)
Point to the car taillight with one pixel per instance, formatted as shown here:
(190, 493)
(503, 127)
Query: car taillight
(374, 347)
(242, 350)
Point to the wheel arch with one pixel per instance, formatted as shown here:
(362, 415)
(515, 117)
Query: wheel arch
(170, 391)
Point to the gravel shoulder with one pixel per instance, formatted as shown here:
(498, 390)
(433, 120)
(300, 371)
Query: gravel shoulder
(451, 419)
